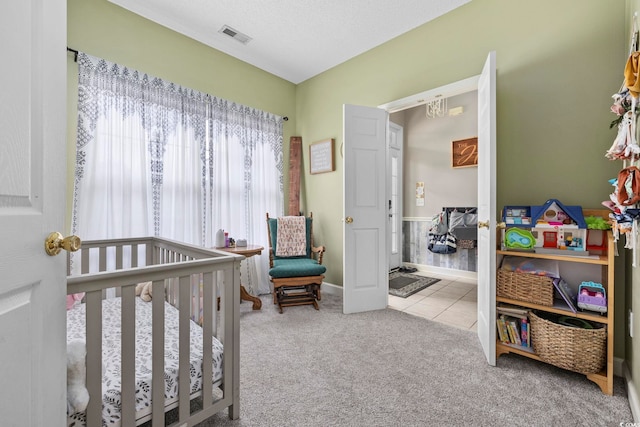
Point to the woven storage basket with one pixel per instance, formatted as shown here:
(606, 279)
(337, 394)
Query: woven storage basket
(576, 349)
(525, 287)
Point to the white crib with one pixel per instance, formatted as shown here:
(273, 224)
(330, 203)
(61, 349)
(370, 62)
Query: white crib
(188, 277)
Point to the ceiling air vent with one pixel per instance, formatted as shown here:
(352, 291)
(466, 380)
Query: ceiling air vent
(234, 34)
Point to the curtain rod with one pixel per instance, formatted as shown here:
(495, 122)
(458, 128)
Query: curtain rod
(75, 59)
(75, 53)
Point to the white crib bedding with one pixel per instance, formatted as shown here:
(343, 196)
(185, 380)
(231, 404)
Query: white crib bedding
(111, 358)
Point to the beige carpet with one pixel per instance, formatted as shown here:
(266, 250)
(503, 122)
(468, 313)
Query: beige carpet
(308, 368)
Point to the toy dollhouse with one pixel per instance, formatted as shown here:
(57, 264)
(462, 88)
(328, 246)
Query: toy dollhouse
(549, 228)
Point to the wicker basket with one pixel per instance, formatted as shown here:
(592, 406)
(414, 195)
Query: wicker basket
(576, 349)
(525, 287)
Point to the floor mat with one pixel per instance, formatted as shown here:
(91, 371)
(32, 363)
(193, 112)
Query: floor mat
(404, 284)
(401, 281)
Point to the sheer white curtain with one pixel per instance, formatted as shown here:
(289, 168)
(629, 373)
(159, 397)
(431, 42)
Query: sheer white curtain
(154, 158)
(112, 197)
(249, 163)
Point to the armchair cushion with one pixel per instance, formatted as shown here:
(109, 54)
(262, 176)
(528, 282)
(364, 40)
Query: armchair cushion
(296, 267)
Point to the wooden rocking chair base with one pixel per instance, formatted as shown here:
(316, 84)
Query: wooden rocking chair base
(289, 291)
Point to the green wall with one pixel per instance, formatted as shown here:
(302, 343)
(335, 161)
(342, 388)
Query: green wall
(105, 30)
(558, 63)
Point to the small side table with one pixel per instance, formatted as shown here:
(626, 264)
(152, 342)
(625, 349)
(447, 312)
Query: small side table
(247, 251)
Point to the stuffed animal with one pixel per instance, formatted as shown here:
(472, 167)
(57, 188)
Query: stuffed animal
(73, 300)
(144, 291)
(77, 393)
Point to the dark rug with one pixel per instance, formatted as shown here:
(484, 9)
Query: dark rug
(401, 282)
(404, 284)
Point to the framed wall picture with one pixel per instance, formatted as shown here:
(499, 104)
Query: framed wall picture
(464, 153)
(321, 156)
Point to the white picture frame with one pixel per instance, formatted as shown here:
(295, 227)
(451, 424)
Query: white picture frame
(321, 158)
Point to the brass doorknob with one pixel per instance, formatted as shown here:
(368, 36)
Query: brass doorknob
(348, 220)
(483, 224)
(55, 243)
(486, 224)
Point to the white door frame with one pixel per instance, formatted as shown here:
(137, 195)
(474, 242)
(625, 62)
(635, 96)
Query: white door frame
(456, 88)
(485, 296)
(394, 194)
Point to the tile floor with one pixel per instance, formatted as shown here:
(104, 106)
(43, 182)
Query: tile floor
(451, 300)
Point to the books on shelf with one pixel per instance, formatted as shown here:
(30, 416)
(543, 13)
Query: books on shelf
(513, 326)
(512, 310)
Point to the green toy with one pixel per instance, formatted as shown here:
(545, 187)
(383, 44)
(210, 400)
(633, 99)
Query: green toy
(517, 238)
(597, 223)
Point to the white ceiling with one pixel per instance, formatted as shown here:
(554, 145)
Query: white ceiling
(293, 39)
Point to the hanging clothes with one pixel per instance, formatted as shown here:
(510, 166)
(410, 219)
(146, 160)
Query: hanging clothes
(631, 80)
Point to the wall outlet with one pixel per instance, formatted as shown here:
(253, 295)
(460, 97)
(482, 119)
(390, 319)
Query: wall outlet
(631, 323)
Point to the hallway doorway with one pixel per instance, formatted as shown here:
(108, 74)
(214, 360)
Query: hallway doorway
(427, 162)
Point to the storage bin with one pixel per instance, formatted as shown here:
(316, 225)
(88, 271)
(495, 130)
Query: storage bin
(573, 348)
(525, 287)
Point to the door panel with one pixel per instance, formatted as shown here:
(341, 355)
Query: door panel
(395, 195)
(487, 208)
(366, 280)
(32, 185)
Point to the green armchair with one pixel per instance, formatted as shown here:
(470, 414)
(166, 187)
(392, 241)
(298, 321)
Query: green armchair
(296, 276)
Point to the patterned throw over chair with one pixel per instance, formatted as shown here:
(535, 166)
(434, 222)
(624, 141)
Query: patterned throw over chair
(296, 269)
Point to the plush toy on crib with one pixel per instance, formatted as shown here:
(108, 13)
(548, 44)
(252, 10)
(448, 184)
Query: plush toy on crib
(144, 291)
(77, 394)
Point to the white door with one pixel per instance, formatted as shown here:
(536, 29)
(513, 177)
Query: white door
(365, 262)
(487, 208)
(32, 189)
(395, 195)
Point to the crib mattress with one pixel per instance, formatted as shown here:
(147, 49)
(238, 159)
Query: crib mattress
(111, 357)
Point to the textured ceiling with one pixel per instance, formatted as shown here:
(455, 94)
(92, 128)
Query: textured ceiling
(293, 39)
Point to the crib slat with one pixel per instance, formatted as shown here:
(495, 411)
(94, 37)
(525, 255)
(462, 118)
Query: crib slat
(231, 370)
(157, 354)
(134, 256)
(208, 307)
(94, 357)
(152, 256)
(218, 285)
(184, 347)
(119, 257)
(84, 261)
(195, 281)
(128, 397)
(102, 258)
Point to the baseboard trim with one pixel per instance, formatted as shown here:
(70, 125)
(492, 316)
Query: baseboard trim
(331, 289)
(632, 393)
(618, 367)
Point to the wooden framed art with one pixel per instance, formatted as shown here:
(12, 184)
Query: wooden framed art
(321, 156)
(464, 153)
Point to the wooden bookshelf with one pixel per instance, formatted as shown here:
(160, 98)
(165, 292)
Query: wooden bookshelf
(603, 275)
